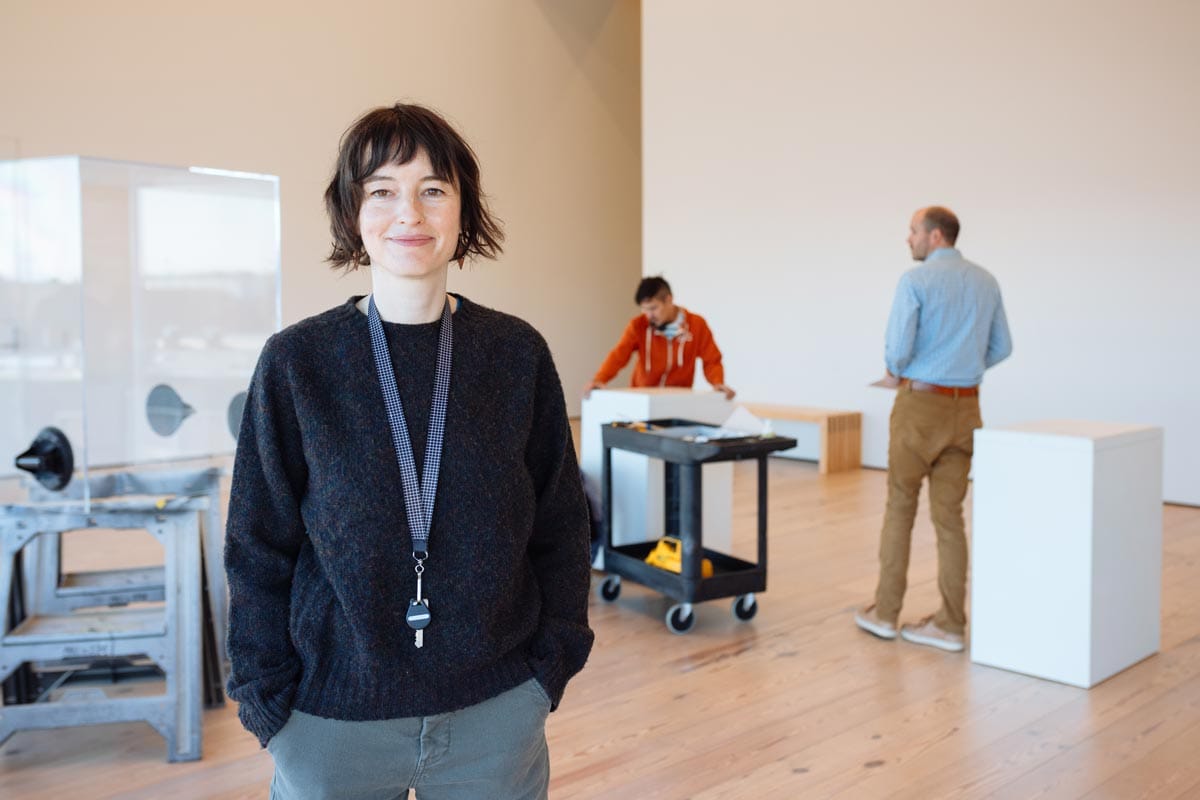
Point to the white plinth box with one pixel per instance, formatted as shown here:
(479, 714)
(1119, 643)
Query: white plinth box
(1066, 573)
(638, 480)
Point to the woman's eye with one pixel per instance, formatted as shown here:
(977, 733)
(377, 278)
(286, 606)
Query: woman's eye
(434, 191)
(379, 193)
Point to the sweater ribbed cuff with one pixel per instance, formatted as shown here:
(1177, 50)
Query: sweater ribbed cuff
(559, 650)
(265, 719)
(553, 677)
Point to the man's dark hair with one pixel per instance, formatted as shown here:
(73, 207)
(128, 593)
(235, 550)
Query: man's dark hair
(651, 288)
(942, 219)
(394, 134)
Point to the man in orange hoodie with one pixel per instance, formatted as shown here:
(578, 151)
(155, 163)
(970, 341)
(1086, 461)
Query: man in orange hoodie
(668, 339)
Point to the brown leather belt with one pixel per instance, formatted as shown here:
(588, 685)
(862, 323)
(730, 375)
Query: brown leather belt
(933, 388)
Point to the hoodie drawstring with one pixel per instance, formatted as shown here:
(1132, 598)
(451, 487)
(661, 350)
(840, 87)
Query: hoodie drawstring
(678, 340)
(646, 350)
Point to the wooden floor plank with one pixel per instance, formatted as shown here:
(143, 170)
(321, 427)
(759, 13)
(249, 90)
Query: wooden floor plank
(1117, 745)
(797, 703)
(1168, 771)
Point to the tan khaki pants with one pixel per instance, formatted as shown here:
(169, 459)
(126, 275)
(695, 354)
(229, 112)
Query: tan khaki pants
(931, 435)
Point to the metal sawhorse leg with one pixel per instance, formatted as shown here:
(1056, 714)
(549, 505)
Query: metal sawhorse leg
(170, 634)
(50, 591)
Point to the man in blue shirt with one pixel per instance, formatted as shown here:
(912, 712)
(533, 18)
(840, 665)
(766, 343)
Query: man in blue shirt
(946, 327)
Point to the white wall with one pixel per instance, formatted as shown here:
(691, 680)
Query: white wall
(785, 145)
(546, 91)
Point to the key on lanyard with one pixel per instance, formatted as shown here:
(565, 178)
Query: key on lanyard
(419, 492)
(418, 615)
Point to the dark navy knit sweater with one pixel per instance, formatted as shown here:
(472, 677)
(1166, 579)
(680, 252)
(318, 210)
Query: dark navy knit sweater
(318, 553)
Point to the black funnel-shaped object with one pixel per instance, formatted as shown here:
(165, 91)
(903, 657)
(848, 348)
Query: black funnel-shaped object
(233, 417)
(49, 459)
(165, 410)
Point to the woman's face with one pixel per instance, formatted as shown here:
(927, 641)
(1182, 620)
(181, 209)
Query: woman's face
(409, 218)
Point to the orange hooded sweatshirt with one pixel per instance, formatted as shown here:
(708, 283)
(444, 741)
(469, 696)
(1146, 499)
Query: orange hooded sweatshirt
(663, 362)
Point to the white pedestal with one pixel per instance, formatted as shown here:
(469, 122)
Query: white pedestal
(1067, 548)
(637, 480)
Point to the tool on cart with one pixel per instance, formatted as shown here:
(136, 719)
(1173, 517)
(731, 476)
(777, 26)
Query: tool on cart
(667, 555)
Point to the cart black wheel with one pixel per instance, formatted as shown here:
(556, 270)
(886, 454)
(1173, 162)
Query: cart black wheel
(610, 589)
(745, 607)
(678, 622)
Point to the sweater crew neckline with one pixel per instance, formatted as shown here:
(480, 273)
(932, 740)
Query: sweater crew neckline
(351, 308)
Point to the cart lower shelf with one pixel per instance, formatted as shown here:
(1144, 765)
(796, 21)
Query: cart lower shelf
(732, 577)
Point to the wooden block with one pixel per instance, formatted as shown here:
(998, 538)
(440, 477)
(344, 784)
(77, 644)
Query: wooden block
(841, 432)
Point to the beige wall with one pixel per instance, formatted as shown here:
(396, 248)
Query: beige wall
(546, 91)
(787, 143)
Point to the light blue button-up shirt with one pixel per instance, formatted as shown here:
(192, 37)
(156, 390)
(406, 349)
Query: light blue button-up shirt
(947, 323)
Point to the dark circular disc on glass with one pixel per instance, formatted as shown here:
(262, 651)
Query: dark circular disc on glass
(49, 459)
(165, 410)
(237, 407)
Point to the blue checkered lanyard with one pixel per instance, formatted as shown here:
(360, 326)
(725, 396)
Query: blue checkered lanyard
(418, 495)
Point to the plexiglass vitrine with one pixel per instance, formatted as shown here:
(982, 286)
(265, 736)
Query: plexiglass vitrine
(134, 301)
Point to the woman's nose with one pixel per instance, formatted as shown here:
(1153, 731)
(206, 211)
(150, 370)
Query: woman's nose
(408, 209)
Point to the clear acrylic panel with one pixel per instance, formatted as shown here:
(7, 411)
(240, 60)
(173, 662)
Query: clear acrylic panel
(134, 300)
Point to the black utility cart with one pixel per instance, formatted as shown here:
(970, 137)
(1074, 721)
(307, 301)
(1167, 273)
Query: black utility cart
(686, 445)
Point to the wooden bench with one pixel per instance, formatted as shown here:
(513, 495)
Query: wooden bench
(841, 432)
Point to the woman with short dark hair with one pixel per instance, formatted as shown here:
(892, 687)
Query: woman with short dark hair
(407, 547)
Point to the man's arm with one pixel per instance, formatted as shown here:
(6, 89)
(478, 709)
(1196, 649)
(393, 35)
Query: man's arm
(999, 339)
(710, 357)
(902, 327)
(616, 359)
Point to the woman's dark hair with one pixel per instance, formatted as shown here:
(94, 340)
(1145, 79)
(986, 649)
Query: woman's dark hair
(394, 134)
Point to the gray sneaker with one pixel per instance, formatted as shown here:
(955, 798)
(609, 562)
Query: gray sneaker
(925, 632)
(869, 621)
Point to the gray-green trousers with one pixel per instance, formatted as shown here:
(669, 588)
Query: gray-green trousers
(495, 749)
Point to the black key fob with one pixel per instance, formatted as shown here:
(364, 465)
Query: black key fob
(417, 615)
